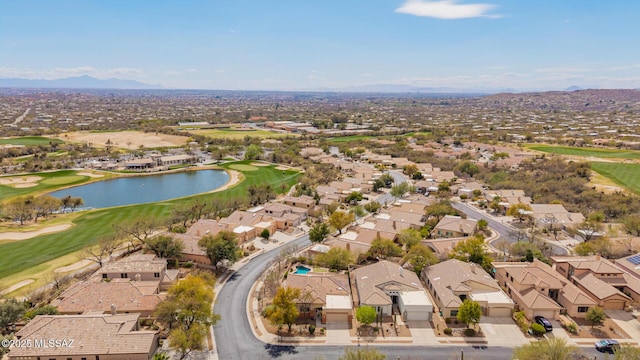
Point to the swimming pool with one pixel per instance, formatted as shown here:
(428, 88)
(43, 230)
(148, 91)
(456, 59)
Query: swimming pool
(302, 270)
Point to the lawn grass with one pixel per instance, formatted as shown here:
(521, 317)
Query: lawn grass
(90, 226)
(50, 181)
(586, 152)
(626, 175)
(29, 140)
(239, 134)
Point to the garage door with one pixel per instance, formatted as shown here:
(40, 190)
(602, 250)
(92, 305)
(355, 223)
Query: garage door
(337, 317)
(614, 305)
(498, 311)
(419, 315)
(549, 314)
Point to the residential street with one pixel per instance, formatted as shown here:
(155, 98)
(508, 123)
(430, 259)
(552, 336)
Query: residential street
(504, 230)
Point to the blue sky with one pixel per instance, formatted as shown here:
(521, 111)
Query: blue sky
(310, 44)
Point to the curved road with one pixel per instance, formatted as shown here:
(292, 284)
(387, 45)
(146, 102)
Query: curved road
(235, 340)
(504, 230)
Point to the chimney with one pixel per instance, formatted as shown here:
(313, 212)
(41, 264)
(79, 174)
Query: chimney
(113, 309)
(473, 268)
(348, 246)
(597, 257)
(138, 277)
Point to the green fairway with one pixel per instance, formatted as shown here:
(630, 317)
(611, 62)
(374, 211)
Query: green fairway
(50, 181)
(586, 152)
(243, 167)
(239, 134)
(30, 140)
(627, 175)
(350, 138)
(63, 180)
(20, 255)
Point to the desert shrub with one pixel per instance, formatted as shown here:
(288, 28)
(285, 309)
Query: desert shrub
(521, 320)
(469, 332)
(312, 329)
(448, 331)
(447, 320)
(572, 327)
(537, 329)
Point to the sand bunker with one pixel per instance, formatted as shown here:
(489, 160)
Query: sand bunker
(31, 234)
(259, 164)
(234, 178)
(17, 286)
(20, 181)
(90, 174)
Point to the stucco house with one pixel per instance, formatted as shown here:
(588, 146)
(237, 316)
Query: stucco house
(392, 290)
(325, 296)
(538, 290)
(105, 337)
(600, 279)
(452, 281)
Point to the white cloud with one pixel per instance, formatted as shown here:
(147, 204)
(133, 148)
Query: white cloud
(445, 9)
(57, 73)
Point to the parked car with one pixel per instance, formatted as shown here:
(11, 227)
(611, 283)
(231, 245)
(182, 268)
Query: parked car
(607, 345)
(544, 322)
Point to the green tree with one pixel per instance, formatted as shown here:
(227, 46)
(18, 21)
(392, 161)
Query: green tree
(11, 310)
(420, 257)
(253, 152)
(372, 207)
(469, 312)
(554, 348)
(319, 232)
(410, 169)
(596, 315)
(187, 312)
(44, 206)
(336, 258)
(284, 310)
(482, 224)
(362, 353)
(472, 250)
(358, 211)
(265, 234)
(340, 219)
(519, 211)
(383, 248)
(164, 246)
(366, 314)
(409, 237)
(631, 224)
(466, 168)
(221, 247)
(441, 209)
(400, 190)
(353, 198)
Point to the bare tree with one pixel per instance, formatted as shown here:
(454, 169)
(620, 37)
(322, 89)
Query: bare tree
(104, 248)
(137, 230)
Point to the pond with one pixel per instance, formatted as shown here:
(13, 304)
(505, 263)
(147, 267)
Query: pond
(145, 189)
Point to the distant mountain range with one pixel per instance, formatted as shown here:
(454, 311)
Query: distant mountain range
(77, 82)
(399, 88)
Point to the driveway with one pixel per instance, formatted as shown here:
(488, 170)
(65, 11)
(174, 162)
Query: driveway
(627, 322)
(502, 331)
(338, 334)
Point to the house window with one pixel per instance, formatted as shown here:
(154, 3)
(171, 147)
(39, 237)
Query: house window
(583, 309)
(104, 276)
(124, 275)
(156, 275)
(454, 313)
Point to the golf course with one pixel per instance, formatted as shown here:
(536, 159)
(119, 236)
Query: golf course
(35, 255)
